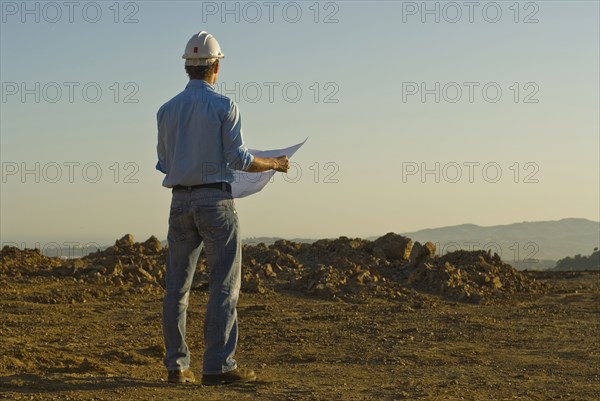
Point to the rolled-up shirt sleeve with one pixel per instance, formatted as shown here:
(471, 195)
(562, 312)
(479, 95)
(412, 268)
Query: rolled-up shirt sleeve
(236, 154)
(160, 147)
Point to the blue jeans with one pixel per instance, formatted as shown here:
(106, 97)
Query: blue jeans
(203, 216)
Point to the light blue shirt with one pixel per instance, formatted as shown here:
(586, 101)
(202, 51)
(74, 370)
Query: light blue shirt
(200, 137)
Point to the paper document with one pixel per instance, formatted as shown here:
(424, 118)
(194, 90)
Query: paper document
(245, 183)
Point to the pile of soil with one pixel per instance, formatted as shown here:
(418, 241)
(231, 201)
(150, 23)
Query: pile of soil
(471, 275)
(391, 267)
(16, 262)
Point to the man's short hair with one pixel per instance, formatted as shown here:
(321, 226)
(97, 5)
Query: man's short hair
(200, 71)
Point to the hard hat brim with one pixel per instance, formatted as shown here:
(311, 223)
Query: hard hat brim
(194, 62)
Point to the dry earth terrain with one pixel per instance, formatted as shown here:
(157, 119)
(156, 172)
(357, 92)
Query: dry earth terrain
(344, 319)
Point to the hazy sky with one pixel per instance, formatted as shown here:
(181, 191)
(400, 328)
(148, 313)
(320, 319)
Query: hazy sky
(497, 101)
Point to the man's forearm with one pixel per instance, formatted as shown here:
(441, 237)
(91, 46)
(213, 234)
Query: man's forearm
(260, 164)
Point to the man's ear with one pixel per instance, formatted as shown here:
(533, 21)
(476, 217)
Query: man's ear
(217, 67)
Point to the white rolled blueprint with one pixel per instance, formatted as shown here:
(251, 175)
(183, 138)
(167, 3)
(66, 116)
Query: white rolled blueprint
(246, 183)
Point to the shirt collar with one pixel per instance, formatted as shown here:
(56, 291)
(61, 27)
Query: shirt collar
(198, 83)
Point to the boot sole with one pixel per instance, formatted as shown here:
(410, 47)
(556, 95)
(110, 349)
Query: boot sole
(181, 380)
(215, 382)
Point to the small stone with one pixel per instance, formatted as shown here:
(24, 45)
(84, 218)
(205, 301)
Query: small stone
(392, 247)
(268, 270)
(421, 253)
(125, 242)
(152, 245)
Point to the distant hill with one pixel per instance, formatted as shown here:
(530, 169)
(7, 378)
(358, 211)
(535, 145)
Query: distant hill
(533, 264)
(518, 243)
(527, 245)
(579, 262)
(271, 240)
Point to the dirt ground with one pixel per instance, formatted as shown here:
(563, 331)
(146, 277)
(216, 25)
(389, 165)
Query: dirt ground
(65, 339)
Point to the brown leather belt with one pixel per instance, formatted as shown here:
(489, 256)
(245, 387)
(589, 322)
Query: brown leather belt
(223, 186)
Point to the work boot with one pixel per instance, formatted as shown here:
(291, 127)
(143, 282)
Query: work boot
(235, 376)
(181, 376)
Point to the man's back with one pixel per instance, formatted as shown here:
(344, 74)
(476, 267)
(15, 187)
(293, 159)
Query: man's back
(200, 137)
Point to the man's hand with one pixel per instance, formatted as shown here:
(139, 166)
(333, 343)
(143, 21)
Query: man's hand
(260, 164)
(282, 164)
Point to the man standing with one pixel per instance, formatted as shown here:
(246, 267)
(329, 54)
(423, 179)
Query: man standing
(199, 145)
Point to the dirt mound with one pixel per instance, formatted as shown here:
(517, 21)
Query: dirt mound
(125, 261)
(391, 266)
(25, 261)
(471, 275)
(341, 268)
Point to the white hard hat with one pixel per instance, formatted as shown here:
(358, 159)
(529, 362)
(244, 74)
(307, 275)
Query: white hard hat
(202, 49)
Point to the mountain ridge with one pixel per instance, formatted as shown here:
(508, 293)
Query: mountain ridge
(525, 244)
